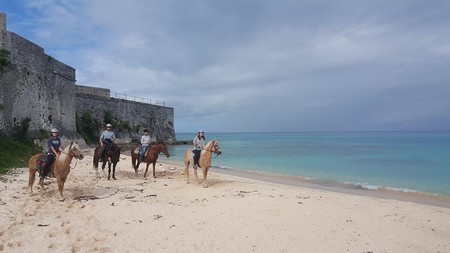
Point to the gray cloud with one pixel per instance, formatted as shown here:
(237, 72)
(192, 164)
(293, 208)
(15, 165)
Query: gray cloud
(259, 65)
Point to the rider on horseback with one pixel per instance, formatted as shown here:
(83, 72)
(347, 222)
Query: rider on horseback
(54, 149)
(106, 138)
(145, 143)
(199, 143)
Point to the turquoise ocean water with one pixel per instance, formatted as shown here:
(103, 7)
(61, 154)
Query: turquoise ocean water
(401, 161)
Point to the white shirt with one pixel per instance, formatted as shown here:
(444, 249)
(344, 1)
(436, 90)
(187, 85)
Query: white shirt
(145, 140)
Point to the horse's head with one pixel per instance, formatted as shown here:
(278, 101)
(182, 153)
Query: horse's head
(215, 148)
(75, 151)
(165, 150)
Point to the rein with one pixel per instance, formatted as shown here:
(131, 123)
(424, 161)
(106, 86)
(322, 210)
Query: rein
(76, 159)
(215, 152)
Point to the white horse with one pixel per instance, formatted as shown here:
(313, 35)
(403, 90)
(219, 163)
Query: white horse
(60, 168)
(204, 161)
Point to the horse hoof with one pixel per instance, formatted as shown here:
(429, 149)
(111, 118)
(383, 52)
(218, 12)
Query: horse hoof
(61, 199)
(114, 178)
(205, 186)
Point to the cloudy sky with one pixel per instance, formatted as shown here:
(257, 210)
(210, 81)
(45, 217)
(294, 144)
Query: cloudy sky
(258, 65)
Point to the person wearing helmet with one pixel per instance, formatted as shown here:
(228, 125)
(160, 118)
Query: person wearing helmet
(145, 143)
(199, 143)
(54, 150)
(106, 138)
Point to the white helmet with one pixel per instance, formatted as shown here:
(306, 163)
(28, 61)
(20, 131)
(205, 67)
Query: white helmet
(200, 131)
(108, 125)
(54, 130)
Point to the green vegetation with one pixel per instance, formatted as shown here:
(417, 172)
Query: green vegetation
(4, 59)
(118, 124)
(20, 131)
(15, 153)
(88, 127)
(16, 150)
(108, 117)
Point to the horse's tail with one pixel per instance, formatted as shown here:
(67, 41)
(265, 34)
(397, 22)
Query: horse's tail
(188, 157)
(32, 163)
(96, 158)
(134, 158)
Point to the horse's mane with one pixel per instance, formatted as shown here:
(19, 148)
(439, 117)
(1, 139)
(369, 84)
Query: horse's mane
(114, 146)
(66, 150)
(209, 143)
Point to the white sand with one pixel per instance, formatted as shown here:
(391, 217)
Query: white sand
(232, 215)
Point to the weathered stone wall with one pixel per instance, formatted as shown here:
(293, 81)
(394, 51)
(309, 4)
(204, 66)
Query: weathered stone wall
(35, 86)
(159, 120)
(38, 87)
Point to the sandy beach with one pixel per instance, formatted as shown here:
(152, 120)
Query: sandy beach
(235, 214)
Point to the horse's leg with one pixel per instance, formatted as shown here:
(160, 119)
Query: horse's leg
(195, 172)
(146, 169)
(114, 171)
(135, 164)
(61, 180)
(205, 174)
(109, 170)
(186, 170)
(138, 162)
(154, 175)
(31, 178)
(41, 184)
(103, 167)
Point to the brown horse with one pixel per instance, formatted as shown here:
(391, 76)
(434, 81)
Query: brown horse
(204, 161)
(151, 157)
(60, 168)
(112, 156)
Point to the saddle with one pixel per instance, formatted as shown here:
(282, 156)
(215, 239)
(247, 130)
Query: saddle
(40, 163)
(40, 166)
(137, 151)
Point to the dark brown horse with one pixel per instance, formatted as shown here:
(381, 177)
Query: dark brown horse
(112, 156)
(151, 157)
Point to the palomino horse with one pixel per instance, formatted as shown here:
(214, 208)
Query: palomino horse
(151, 157)
(204, 161)
(112, 156)
(60, 168)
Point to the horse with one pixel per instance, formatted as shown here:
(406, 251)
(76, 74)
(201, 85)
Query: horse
(60, 168)
(151, 157)
(112, 156)
(204, 160)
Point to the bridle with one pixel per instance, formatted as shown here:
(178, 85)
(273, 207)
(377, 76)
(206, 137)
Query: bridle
(216, 149)
(72, 154)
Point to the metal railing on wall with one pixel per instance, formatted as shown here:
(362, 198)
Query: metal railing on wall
(137, 99)
(101, 92)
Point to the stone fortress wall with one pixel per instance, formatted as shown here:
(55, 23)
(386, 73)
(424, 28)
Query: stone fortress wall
(39, 87)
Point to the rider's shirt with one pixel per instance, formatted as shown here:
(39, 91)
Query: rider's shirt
(198, 143)
(55, 143)
(108, 135)
(145, 140)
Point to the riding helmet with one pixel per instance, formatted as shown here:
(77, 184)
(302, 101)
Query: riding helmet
(54, 130)
(108, 125)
